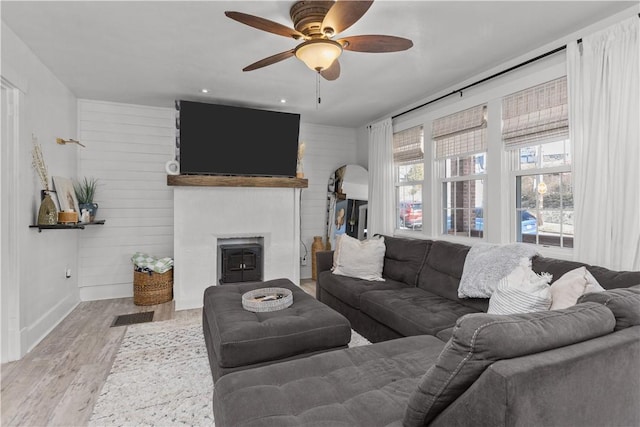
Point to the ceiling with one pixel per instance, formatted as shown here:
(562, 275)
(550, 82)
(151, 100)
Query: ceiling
(152, 53)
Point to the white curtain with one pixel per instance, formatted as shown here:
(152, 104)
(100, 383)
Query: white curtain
(381, 211)
(604, 126)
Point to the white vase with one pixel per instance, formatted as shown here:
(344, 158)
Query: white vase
(299, 171)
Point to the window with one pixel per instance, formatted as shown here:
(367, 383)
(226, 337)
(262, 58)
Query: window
(408, 162)
(535, 128)
(461, 153)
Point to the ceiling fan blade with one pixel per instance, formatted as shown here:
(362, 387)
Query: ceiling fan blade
(344, 14)
(375, 43)
(264, 24)
(270, 60)
(332, 72)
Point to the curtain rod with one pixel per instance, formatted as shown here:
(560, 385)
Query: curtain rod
(522, 64)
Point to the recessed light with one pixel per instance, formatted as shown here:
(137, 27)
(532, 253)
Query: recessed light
(283, 101)
(204, 90)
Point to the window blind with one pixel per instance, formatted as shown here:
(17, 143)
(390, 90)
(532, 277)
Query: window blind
(408, 146)
(536, 115)
(461, 133)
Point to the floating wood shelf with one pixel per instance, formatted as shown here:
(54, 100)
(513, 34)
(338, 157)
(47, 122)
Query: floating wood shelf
(236, 181)
(79, 226)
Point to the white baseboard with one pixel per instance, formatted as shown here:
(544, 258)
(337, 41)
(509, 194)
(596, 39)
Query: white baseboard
(125, 290)
(94, 293)
(187, 304)
(31, 335)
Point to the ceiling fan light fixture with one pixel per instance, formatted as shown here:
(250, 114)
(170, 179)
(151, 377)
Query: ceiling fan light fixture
(318, 54)
(316, 22)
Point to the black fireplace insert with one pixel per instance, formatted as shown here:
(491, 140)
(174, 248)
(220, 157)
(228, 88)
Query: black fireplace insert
(241, 263)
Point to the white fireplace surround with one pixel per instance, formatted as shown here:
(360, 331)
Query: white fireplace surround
(203, 215)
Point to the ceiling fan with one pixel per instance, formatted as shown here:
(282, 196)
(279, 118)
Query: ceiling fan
(317, 22)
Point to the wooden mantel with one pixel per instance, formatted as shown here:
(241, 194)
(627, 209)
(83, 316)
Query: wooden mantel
(236, 181)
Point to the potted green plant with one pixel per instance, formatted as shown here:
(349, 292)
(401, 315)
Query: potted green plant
(85, 191)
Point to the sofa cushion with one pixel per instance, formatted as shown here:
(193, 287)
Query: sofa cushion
(445, 334)
(412, 311)
(567, 289)
(624, 303)
(443, 269)
(360, 386)
(362, 259)
(608, 279)
(348, 289)
(480, 339)
(555, 267)
(404, 258)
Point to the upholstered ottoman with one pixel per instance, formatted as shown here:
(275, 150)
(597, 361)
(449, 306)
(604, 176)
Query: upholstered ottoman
(238, 339)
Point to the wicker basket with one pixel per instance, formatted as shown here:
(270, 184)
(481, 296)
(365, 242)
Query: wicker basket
(152, 288)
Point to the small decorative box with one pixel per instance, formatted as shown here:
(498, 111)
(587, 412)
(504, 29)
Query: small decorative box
(68, 217)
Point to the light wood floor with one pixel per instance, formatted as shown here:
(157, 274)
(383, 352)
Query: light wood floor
(59, 381)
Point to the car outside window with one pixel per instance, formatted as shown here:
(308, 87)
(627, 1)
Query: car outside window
(544, 193)
(408, 156)
(535, 129)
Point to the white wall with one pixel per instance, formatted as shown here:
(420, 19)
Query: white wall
(127, 148)
(363, 147)
(48, 110)
(327, 148)
(500, 195)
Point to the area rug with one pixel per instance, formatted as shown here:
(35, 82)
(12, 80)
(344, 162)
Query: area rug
(161, 377)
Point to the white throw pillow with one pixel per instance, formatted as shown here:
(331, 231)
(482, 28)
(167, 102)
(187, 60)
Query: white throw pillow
(567, 289)
(522, 291)
(336, 252)
(361, 259)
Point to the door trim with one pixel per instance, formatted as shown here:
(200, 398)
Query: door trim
(9, 190)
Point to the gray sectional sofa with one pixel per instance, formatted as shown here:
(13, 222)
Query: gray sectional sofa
(439, 360)
(420, 292)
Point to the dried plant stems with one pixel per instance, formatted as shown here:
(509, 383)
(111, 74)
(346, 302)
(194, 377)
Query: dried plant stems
(38, 163)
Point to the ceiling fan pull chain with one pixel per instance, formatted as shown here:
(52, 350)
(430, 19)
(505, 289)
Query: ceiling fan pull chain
(319, 100)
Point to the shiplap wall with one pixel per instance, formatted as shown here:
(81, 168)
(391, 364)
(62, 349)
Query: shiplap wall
(327, 148)
(127, 147)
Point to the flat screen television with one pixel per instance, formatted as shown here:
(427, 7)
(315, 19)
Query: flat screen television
(227, 140)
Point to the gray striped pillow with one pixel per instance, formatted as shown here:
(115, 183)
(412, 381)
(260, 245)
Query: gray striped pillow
(521, 293)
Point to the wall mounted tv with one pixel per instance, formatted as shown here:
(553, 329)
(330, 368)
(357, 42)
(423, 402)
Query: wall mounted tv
(227, 140)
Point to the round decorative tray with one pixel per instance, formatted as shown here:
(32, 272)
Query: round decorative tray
(267, 299)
